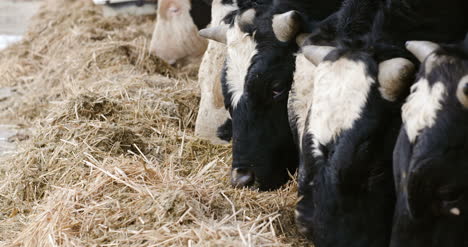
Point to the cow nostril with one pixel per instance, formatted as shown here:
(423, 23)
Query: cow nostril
(242, 177)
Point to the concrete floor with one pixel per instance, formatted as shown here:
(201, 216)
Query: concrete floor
(14, 19)
(15, 15)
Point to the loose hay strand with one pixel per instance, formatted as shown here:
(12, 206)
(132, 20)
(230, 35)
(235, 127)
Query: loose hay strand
(111, 159)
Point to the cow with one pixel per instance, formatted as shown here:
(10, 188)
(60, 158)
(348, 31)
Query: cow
(256, 79)
(345, 177)
(430, 157)
(175, 37)
(211, 113)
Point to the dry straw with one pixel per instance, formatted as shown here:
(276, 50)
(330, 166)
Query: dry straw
(111, 159)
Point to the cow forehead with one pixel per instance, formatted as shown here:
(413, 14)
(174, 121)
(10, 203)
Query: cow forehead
(241, 48)
(220, 10)
(421, 108)
(341, 89)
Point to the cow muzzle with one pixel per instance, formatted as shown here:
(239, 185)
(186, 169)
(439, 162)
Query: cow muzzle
(242, 177)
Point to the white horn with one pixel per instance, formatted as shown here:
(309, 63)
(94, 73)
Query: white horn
(301, 38)
(421, 49)
(394, 77)
(217, 33)
(316, 54)
(286, 25)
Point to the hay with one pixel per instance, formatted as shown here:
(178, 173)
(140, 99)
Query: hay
(112, 159)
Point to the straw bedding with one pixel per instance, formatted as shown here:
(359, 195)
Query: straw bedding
(110, 158)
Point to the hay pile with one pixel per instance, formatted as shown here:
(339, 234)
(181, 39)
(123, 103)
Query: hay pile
(111, 158)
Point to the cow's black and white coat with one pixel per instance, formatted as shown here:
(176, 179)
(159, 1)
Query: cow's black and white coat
(257, 77)
(431, 155)
(345, 176)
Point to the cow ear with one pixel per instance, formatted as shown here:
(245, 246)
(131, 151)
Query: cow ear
(421, 49)
(395, 76)
(316, 54)
(286, 25)
(217, 33)
(462, 92)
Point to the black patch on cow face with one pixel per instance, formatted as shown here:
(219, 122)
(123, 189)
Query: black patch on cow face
(224, 131)
(431, 172)
(262, 139)
(346, 185)
(200, 12)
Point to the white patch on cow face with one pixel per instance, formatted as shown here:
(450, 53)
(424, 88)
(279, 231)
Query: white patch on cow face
(420, 110)
(300, 96)
(219, 11)
(340, 92)
(241, 49)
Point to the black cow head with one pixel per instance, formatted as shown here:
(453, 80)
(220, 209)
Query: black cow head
(257, 76)
(345, 177)
(431, 155)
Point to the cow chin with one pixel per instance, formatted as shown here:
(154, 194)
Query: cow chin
(344, 221)
(427, 231)
(264, 153)
(265, 176)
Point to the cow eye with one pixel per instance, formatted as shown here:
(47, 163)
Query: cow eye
(447, 194)
(278, 89)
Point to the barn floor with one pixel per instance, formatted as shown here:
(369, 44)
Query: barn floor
(14, 20)
(112, 159)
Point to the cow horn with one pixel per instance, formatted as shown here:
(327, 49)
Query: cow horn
(316, 54)
(301, 38)
(286, 25)
(421, 49)
(247, 18)
(217, 33)
(462, 91)
(395, 76)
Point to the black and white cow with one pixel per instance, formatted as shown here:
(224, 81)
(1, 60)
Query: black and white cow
(345, 176)
(257, 76)
(431, 155)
